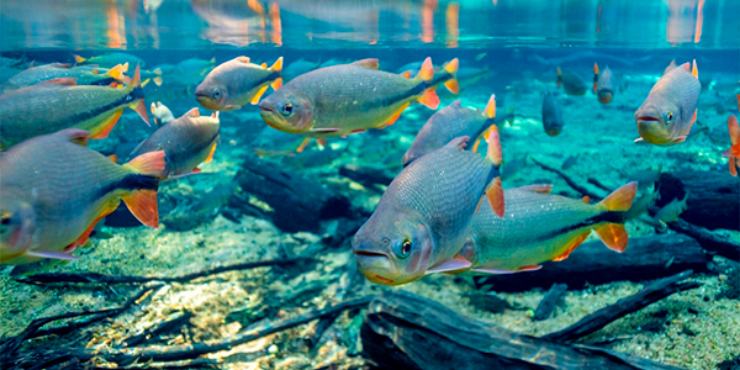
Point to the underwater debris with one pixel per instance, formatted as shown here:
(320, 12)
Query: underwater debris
(731, 289)
(549, 302)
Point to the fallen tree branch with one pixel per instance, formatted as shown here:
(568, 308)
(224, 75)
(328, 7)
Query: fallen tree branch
(95, 278)
(647, 296)
(708, 240)
(12, 344)
(569, 181)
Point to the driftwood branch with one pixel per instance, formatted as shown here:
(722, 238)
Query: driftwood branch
(10, 345)
(573, 184)
(405, 331)
(647, 296)
(95, 278)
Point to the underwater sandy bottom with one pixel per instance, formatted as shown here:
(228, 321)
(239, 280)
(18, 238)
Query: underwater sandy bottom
(602, 137)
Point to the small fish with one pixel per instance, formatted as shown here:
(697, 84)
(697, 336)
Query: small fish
(47, 72)
(423, 218)
(236, 83)
(569, 162)
(604, 84)
(446, 75)
(161, 113)
(552, 115)
(539, 227)
(666, 116)
(194, 66)
(448, 123)
(345, 99)
(572, 83)
(54, 190)
(57, 104)
(298, 68)
(111, 60)
(187, 142)
(734, 152)
(671, 211)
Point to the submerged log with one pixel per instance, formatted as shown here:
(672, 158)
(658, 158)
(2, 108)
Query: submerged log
(295, 203)
(405, 331)
(714, 197)
(645, 258)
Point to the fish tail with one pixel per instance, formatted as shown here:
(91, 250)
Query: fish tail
(451, 67)
(157, 71)
(596, 76)
(734, 129)
(613, 234)
(695, 70)
(490, 110)
(495, 190)
(138, 104)
(429, 98)
(560, 77)
(79, 59)
(157, 81)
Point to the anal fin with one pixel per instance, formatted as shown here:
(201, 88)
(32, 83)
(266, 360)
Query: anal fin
(256, 98)
(395, 116)
(303, 145)
(210, 155)
(106, 126)
(572, 245)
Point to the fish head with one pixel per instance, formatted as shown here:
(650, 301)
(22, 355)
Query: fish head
(213, 94)
(287, 111)
(605, 96)
(17, 224)
(656, 120)
(393, 250)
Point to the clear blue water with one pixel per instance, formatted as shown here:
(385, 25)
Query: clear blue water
(509, 48)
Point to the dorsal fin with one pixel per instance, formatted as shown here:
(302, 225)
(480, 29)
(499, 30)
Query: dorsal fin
(695, 70)
(370, 63)
(193, 112)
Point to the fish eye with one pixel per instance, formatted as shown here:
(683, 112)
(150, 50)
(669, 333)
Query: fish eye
(215, 93)
(669, 116)
(403, 250)
(287, 109)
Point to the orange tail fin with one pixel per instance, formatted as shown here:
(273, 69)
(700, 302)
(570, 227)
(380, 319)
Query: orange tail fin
(143, 205)
(426, 73)
(429, 99)
(152, 163)
(596, 77)
(451, 67)
(278, 66)
(495, 190)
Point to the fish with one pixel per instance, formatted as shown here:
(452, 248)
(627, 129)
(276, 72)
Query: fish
(57, 104)
(646, 178)
(164, 69)
(298, 68)
(6, 73)
(54, 190)
(666, 116)
(572, 83)
(604, 85)
(161, 113)
(424, 216)
(734, 152)
(552, 115)
(332, 62)
(236, 83)
(345, 99)
(569, 162)
(47, 72)
(671, 211)
(194, 66)
(111, 60)
(671, 66)
(448, 123)
(187, 142)
(12, 62)
(539, 226)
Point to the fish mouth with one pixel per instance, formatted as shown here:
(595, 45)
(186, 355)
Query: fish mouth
(369, 254)
(647, 119)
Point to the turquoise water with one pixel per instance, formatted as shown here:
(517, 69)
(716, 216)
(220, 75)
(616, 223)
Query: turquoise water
(261, 199)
